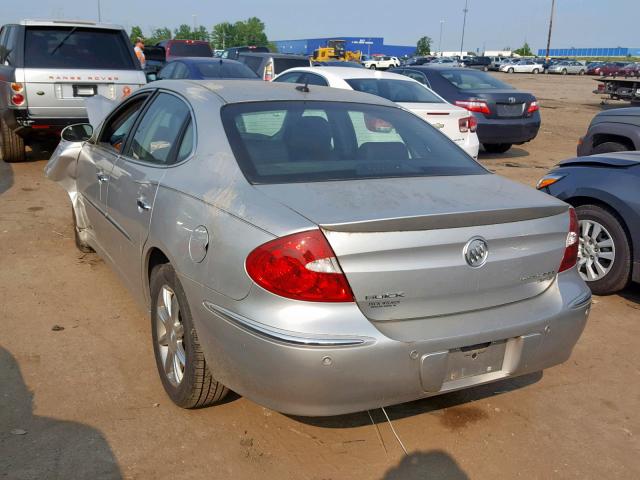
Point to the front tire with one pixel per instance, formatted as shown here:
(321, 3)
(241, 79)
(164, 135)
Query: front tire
(564, 71)
(372, 67)
(510, 70)
(496, 147)
(536, 71)
(181, 364)
(604, 255)
(581, 72)
(12, 145)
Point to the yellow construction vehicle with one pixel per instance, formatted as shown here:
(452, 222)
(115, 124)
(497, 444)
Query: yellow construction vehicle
(335, 51)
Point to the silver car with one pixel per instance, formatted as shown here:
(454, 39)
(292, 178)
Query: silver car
(568, 66)
(320, 251)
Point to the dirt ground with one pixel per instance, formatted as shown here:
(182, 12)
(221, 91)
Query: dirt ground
(86, 402)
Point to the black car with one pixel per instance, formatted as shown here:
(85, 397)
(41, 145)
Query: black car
(604, 191)
(200, 68)
(480, 63)
(505, 115)
(613, 130)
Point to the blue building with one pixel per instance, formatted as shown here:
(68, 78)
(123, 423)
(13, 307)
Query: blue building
(366, 45)
(590, 52)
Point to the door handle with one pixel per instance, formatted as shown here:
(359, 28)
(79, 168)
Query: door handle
(101, 177)
(142, 205)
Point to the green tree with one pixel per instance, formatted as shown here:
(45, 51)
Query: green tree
(183, 32)
(423, 46)
(159, 34)
(248, 32)
(525, 51)
(222, 35)
(136, 32)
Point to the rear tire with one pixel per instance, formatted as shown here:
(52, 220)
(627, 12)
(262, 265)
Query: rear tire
(189, 384)
(510, 70)
(485, 69)
(372, 67)
(607, 147)
(536, 71)
(12, 145)
(564, 71)
(496, 147)
(581, 72)
(619, 271)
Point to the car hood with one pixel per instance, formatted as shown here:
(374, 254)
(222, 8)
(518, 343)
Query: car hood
(413, 203)
(617, 159)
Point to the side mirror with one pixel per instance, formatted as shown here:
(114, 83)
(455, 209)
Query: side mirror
(80, 132)
(152, 77)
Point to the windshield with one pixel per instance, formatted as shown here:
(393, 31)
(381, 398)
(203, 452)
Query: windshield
(297, 141)
(473, 80)
(184, 49)
(225, 69)
(78, 48)
(394, 90)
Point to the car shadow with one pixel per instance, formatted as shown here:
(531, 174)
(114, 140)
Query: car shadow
(632, 293)
(431, 465)
(6, 177)
(33, 446)
(513, 152)
(425, 405)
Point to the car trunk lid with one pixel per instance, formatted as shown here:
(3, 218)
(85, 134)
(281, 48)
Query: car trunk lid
(504, 104)
(442, 116)
(401, 242)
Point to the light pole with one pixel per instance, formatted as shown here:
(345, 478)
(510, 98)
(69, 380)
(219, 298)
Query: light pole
(553, 7)
(440, 39)
(464, 24)
(194, 26)
(99, 12)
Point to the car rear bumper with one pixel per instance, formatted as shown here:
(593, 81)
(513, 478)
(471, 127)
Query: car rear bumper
(26, 125)
(507, 131)
(391, 363)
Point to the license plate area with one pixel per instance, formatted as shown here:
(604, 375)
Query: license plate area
(510, 110)
(85, 90)
(475, 360)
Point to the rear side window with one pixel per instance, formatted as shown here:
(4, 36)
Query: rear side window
(159, 132)
(282, 64)
(79, 48)
(472, 80)
(184, 49)
(394, 90)
(225, 69)
(297, 141)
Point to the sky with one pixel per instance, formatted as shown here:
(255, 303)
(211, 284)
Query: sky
(491, 24)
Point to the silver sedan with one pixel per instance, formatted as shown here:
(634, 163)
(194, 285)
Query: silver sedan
(320, 251)
(567, 67)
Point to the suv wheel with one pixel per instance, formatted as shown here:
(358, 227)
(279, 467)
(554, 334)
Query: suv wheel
(604, 254)
(607, 147)
(372, 67)
(181, 364)
(12, 145)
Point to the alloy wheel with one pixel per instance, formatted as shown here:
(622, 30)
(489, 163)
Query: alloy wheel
(596, 252)
(170, 335)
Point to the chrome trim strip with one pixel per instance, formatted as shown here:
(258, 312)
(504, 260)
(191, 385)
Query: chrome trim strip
(580, 301)
(284, 336)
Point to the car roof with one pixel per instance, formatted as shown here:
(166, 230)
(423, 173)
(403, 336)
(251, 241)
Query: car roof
(345, 73)
(270, 54)
(69, 23)
(240, 91)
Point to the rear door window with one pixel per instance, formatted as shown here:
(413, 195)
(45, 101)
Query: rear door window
(313, 79)
(157, 136)
(77, 47)
(292, 77)
(394, 90)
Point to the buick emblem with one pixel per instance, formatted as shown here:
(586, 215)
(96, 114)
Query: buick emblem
(512, 99)
(476, 252)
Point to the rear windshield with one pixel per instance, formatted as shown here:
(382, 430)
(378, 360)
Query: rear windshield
(282, 64)
(78, 48)
(183, 49)
(226, 69)
(394, 90)
(297, 141)
(473, 80)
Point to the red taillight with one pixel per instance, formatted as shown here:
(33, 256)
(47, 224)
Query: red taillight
(533, 107)
(301, 266)
(479, 106)
(17, 99)
(601, 87)
(571, 244)
(468, 124)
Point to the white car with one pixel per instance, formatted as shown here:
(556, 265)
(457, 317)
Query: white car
(454, 122)
(522, 66)
(381, 62)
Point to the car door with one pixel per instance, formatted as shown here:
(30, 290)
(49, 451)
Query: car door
(95, 165)
(152, 148)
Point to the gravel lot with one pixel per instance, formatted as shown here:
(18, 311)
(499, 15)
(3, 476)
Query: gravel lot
(86, 401)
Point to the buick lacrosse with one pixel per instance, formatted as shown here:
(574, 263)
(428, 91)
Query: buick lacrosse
(319, 251)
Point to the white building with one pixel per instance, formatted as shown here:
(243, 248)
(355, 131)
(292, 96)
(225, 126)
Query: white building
(500, 53)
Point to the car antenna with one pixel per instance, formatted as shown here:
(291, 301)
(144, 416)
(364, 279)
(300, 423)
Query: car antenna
(303, 88)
